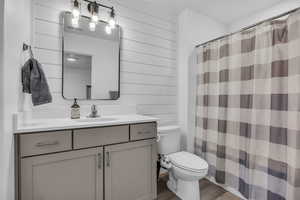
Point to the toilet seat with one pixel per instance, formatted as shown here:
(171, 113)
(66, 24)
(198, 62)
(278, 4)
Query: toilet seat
(188, 161)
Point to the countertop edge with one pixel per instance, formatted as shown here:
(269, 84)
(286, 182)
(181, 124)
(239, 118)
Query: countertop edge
(32, 129)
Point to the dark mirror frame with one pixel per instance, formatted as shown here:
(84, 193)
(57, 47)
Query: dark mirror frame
(62, 53)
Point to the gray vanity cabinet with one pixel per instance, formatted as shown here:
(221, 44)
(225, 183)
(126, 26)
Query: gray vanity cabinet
(74, 175)
(130, 171)
(100, 163)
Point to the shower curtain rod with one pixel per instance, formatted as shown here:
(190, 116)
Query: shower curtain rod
(249, 27)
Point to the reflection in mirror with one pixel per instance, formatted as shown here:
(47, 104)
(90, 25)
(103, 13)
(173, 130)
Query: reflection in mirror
(77, 75)
(90, 60)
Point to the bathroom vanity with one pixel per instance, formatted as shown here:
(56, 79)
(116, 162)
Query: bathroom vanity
(87, 160)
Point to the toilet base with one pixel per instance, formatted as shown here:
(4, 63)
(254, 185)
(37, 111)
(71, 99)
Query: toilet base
(186, 190)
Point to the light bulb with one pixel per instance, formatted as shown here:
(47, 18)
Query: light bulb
(75, 9)
(112, 23)
(92, 26)
(108, 29)
(93, 8)
(95, 18)
(75, 22)
(75, 13)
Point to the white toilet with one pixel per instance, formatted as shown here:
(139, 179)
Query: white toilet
(185, 169)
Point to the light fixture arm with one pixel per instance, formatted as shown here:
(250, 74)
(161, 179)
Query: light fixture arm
(112, 13)
(101, 5)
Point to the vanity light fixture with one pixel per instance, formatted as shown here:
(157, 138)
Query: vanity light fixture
(93, 8)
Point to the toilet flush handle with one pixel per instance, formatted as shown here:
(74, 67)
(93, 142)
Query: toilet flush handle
(165, 163)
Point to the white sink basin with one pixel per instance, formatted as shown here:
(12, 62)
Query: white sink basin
(98, 119)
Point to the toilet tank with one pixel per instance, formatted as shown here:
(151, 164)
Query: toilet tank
(168, 139)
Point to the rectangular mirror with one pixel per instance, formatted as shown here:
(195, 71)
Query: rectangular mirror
(91, 60)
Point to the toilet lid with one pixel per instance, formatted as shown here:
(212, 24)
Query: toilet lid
(188, 161)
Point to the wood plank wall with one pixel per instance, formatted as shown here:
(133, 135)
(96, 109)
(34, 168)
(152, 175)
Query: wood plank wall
(148, 57)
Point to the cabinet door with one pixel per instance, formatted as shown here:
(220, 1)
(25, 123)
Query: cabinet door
(130, 171)
(74, 175)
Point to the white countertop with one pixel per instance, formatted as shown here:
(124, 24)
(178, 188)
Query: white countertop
(63, 124)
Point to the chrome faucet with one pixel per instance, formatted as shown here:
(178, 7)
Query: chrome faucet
(94, 112)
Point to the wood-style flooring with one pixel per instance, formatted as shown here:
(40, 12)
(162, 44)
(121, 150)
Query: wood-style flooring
(209, 191)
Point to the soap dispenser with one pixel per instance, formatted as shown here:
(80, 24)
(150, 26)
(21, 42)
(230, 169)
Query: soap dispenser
(75, 110)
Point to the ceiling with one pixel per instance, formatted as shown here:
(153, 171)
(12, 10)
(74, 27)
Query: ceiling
(225, 11)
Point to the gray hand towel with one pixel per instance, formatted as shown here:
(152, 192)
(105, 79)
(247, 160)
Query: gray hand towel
(35, 83)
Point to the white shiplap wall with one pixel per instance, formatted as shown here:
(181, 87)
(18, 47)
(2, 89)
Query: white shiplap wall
(148, 57)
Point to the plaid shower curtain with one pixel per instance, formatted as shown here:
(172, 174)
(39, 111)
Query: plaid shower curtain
(248, 110)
